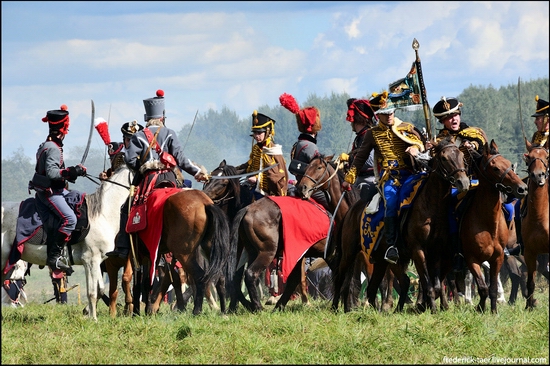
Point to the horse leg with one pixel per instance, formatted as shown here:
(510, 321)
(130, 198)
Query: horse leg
(178, 278)
(112, 274)
(531, 262)
(428, 292)
(482, 288)
(252, 276)
(303, 283)
(387, 294)
(126, 286)
(220, 288)
(292, 282)
(378, 273)
(493, 285)
(200, 287)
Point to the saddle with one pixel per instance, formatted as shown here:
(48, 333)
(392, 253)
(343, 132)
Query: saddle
(31, 230)
(372, 219)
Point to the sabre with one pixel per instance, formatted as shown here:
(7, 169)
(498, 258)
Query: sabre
(332, 222)
(85, 155)
(520, 115)
(242, 175)
(416, 46)
(194, 119)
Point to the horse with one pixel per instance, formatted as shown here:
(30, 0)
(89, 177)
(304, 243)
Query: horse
(426, 227)
(226, 193)
(483, 230)
(103, 211)
(258, 229)
(534, 225)
(192, 222)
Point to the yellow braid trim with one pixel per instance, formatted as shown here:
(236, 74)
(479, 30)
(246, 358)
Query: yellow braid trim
(351, 175)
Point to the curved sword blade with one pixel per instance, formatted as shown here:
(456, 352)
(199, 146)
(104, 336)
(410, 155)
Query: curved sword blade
(85, 155)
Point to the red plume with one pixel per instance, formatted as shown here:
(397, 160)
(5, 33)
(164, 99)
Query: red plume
(103, 129)
(160, 93)
(289, 103)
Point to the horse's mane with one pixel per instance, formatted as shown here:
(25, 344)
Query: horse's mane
(235, 185)
(94, 200)
(351, 196)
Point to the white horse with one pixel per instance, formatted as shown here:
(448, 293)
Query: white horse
(104, 218)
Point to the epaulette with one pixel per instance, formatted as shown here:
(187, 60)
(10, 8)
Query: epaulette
(473, 133)
(405, 131)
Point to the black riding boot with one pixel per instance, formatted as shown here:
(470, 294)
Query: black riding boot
(519, 237)
(55, 246)
(391, 226)
(458, 259)
(122, 240)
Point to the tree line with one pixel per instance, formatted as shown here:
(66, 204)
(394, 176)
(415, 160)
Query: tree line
(218, 135)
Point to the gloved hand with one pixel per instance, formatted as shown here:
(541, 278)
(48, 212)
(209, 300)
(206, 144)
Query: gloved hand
(202, 175)
(344, 157)
(73, 172)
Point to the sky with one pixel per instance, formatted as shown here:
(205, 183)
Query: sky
(245, 54)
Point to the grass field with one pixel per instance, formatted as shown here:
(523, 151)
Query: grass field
(59, 334)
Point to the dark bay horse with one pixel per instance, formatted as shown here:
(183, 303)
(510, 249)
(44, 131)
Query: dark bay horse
(534, 225)
(226, 193)
(483, 230)
(190, 223)
(426, 228)
(257, 228)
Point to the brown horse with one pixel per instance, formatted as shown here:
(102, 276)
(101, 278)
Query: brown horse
(112, 267)
(483, 229)
(226, 193)
(534, 225)
(191, 222)
(351, 259)
(257, 228)
(426, 229)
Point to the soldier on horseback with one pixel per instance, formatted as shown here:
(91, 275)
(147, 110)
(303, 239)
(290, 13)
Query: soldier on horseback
(156, 155)
(265, 152)
(309, 124)
(362, 117)
(392, 139)
(49, 182)
(448, 112)
(117, 150)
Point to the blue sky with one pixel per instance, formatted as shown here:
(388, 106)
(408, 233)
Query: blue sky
(245, 54)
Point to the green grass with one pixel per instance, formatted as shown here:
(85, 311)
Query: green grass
(59, 334)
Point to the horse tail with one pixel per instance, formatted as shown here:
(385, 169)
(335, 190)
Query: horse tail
(233, 286)
(220, 255)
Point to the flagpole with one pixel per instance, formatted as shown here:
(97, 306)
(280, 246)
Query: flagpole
(416, 46)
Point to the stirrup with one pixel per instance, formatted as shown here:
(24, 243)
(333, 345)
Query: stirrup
(392, 255)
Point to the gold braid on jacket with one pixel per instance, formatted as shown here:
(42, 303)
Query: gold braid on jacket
(474, 135)
(254, 163)
(392, 141)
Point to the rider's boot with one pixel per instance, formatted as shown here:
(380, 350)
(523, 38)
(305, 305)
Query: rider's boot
(122, 240)
(55, 247)
(391, 225)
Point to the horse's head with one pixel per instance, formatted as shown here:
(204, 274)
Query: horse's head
(499, 171)
(318, 175)
(223, 190)
(536, 160)
(449, 162)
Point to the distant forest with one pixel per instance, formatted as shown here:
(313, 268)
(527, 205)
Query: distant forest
(218, 135)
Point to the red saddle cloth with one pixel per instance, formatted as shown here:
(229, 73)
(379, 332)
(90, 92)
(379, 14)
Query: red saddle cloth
(151, 235)
(304, 224)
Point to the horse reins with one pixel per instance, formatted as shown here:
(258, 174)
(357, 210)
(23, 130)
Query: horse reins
(501, 187)
(542, 161)
(224, 200)
(319, 185)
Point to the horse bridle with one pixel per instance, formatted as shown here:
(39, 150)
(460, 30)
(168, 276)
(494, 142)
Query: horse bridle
(531, 161)
(441, 170)
(329, 179)
(501, 187)
(225, 198)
